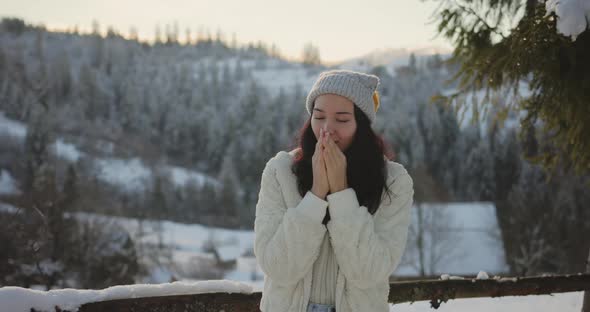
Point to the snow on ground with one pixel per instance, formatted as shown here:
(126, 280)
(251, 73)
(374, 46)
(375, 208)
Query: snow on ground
(186, 242)
(7, 208)
(18, 130)
(474, 247)
(271, 74)
(273, 79)
(392, 58)
(17, 299)
(231, 63)
(563, 302)
(129, 174)
(472, 243)
(133, 176)
(192, 237)
(12, 127)
(181, 176)
(227, 253)
(67, 151)
(7, 183)
(479, 247)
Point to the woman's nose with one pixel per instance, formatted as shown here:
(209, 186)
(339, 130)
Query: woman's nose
(329, 132)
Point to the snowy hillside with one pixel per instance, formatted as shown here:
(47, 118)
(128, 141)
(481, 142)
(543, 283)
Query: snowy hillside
(131, 175)
(470, 244)
(391, 58)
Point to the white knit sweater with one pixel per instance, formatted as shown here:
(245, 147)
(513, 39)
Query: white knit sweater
(289, 234)
(324, 275)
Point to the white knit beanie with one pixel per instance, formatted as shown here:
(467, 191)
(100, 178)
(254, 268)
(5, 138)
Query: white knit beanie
(358, 87)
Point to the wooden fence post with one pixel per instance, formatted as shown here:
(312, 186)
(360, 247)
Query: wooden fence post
(586, 304)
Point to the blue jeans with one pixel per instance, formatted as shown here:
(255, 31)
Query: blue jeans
(316, 307)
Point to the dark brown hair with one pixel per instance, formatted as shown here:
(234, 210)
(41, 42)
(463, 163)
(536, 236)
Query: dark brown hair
(366, 165)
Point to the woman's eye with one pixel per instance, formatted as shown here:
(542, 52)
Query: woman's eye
(338, 120)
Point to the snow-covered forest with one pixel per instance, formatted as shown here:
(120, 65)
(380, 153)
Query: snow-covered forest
(110, 146)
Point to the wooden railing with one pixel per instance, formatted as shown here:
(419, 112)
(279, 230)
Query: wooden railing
(436, 291)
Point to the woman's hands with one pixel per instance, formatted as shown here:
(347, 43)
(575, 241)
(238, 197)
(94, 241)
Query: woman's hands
(329, 167)
(335, 165)
(320, 176)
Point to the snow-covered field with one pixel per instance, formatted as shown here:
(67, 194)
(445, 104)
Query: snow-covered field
(469, 249)
(187, 242)
(459, 239)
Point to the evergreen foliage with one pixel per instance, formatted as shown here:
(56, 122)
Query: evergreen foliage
(501, 44)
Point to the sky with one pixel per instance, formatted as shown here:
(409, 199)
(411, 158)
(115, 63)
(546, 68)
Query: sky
(341, 29)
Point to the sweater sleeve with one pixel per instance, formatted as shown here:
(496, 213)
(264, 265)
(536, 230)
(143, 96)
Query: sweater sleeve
(287, 240)
(368, 248)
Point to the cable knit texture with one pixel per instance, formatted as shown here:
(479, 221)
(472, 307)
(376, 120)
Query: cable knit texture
(289, 234)
(360, 88)
(324, 275)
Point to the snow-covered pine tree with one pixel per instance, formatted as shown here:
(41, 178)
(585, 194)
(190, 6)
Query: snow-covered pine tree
(501, 44)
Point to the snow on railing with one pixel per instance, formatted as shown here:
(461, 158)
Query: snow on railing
(17, 299)
(229, 296)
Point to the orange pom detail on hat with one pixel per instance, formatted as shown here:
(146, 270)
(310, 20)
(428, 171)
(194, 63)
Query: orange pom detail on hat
(376, 100)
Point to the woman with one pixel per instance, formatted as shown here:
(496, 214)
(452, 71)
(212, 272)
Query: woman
(326, 237)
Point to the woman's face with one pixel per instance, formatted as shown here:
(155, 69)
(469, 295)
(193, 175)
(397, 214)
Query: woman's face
(335, 114)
